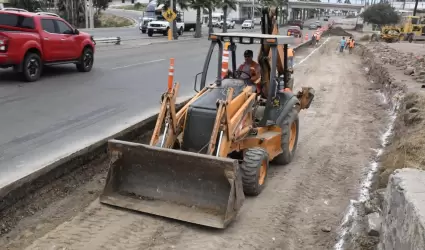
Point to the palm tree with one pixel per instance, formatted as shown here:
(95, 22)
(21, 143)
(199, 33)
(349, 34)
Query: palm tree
(225, 5)
(210, 6)
(197, 5)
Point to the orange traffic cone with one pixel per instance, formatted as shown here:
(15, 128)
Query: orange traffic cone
(225, 61)
(306, 37)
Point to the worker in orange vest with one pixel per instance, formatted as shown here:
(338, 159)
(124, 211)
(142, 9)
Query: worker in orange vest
(348, 42)
(351, 45)
(290, 57)
(250, 71)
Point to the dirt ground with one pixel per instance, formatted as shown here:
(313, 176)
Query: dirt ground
(301, 208)
(408, 141)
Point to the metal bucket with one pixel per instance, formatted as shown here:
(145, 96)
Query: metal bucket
(196, 188)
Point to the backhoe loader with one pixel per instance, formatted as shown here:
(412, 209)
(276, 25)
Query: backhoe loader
(204, 159)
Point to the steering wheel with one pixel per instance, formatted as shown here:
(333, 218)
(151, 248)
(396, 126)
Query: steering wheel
(238, 74)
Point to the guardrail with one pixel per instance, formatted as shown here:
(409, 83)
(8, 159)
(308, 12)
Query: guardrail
(115, 40)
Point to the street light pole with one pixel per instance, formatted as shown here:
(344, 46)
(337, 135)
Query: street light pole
(86, 13)
(253, 3)
(91, 11)
(171, 36)
(416, 8)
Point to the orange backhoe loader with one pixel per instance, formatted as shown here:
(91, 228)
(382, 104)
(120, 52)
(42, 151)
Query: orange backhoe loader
(204, 159)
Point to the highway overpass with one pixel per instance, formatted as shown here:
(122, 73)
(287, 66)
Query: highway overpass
(321, 5)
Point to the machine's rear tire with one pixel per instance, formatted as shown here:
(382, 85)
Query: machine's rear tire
(289, 138)
(254, 168)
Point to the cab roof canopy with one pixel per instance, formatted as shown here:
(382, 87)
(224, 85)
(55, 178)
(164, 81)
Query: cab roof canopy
(249, 38)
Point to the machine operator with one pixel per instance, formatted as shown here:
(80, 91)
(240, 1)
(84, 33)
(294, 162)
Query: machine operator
(251, 69)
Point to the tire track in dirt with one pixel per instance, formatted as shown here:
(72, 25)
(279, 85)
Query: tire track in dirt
(311, 192)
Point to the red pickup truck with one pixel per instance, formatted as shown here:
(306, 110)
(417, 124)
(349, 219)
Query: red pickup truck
(30, 40)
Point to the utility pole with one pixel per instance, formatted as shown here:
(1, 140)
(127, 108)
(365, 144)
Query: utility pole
(86, 13)
(416, 8)
(91, 12)
(171, 23)
(253, 11)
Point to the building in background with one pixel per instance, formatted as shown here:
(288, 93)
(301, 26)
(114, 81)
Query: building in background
(407, 5)
(2, 2)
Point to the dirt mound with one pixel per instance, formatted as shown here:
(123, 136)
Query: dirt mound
(337, 31)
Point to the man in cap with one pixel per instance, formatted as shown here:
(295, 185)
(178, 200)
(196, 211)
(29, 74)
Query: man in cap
(251, 69)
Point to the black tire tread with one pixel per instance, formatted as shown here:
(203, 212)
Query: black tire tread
(286, 156)
(253, 157)
(80, 65)
(26, 77)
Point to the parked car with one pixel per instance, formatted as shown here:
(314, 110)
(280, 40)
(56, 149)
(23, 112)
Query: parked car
(230, 24)
(29, 41)
(318, 24)
(248, 24)
(294, 31)
(312, 26)
(297, 22)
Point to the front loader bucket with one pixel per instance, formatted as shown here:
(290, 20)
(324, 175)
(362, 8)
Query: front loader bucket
(196, 188)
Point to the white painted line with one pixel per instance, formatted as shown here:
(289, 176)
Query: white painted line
(305, 58)
(137, 64)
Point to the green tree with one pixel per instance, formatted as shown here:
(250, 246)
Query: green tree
(197, 5)
(74, 10)
(225, 6)
(30, 5)
(380, 14)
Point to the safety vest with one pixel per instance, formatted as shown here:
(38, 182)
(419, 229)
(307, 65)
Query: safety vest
(290, 52)
(351, 44)
(253, 65)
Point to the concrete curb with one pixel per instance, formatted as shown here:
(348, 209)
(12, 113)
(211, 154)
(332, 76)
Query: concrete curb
(15, 191)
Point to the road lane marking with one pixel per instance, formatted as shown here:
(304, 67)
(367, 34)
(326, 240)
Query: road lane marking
(137, 64)
(311, 53)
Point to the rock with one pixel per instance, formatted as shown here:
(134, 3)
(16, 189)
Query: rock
(409, 71)
(414, 110)
(326, 229)
(368, 207)
(373, 224)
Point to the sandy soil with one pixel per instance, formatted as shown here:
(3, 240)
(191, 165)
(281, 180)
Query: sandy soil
(301, 207)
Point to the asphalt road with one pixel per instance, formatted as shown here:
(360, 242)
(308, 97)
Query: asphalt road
(133, 33)
(66, 110)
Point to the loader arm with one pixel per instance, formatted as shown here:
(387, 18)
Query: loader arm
(269, 26)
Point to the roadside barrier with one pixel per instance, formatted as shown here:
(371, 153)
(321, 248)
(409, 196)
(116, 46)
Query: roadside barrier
(115, 40)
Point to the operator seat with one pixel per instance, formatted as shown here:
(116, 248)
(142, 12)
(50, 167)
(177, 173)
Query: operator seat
(202, 112)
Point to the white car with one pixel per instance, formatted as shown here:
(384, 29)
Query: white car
(229, 22)
(248, 24)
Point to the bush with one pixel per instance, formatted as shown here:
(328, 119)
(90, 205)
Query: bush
(108, 20)
(136, 6)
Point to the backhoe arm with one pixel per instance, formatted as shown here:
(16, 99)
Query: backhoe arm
(269, 26)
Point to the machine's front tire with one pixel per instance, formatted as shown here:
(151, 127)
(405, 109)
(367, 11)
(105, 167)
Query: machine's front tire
(289, 138)
(254, 168)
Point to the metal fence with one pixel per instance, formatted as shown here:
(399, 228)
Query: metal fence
(102, 40)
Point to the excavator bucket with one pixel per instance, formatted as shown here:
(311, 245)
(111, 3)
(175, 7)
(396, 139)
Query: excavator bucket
(196, 188)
